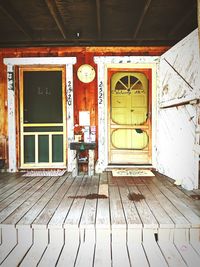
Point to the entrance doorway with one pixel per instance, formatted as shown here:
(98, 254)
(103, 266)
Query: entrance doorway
(129, 117)
(42, 117)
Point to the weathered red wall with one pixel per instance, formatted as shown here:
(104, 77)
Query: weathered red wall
(85, 95)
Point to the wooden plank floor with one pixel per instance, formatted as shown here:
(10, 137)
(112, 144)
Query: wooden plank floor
(62, 221)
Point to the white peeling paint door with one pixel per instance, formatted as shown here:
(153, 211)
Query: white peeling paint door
(178, 113)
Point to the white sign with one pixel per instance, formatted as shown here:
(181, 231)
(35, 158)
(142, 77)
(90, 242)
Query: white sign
(84, 118)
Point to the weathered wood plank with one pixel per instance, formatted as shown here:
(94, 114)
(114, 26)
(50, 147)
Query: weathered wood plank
(44, 217)
(9, 240)
(160, 214)
(40, 242)
(181, 241)
(190, 256)
(86, 251)
(23, 245)
(103, 248)
(177, 217)
(171, 254)
(132, 217)
(116, 209)
(11, 185)
(118, 219)
(7, 191)
(103, 213)
(30, 216)
(61, 212)
(88, 217)
(15, 204)
(18, 193)
(135, 248)
(70, 249)
(145, 213)
(51, 254)
(195, 239)
(192, 217)
(179, 193)
(74, 216)
(152, 250)
(120, 256)
(22, 209)
(127, 247)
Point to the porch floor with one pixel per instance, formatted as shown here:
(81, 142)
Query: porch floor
(92, 221)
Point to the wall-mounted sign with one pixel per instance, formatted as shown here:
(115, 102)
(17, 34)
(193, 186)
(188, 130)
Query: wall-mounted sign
(84, 118)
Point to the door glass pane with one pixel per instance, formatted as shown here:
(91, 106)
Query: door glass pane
(57, 148)
(42, 96)
(29, 148)
(129, 98)
(43, 148)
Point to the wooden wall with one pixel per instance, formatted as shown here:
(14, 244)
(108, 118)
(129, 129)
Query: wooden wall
(85, 95)
(178, 112)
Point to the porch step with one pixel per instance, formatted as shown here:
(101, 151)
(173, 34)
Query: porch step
(92, 221)
(26, 246)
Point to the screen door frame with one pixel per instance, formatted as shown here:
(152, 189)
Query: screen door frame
(23, 125)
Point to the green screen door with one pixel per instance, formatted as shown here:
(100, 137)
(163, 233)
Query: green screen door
(42, 118)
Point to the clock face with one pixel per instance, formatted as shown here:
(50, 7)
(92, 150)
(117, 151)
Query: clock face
(86, 73)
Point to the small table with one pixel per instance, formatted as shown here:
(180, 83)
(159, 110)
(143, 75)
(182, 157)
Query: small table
(81, 147)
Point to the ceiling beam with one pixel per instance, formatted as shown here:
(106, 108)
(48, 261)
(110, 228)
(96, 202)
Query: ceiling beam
(89, 42)
(9, 10)
(140, 22)
(56, 16)
(98, 10)
(180, 23)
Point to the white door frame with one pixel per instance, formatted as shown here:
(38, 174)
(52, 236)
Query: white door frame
(11, 63)
(122, 62)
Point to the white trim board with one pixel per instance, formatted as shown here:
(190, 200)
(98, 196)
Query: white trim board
(120, 62)
(11, 63)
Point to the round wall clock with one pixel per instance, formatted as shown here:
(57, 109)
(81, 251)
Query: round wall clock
(86, 73)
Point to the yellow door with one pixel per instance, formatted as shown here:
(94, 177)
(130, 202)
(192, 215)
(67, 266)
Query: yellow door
(129, 125)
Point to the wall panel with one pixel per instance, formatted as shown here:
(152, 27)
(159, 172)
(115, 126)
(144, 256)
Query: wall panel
(85, 95)
(178, 112)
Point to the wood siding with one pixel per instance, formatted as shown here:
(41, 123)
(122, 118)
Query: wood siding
(85, 97)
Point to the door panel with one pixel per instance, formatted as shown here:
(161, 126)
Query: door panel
(129, 139)
(42, 117)
(129, 123)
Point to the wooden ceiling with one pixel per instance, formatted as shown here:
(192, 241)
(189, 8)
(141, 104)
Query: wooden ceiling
(95, 22)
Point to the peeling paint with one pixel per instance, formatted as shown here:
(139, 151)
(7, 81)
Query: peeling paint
(177, 125)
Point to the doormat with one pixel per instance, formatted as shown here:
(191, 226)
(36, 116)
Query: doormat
(132, 172)
(45, 173)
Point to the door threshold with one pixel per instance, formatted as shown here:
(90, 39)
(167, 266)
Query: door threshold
(134, 166)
